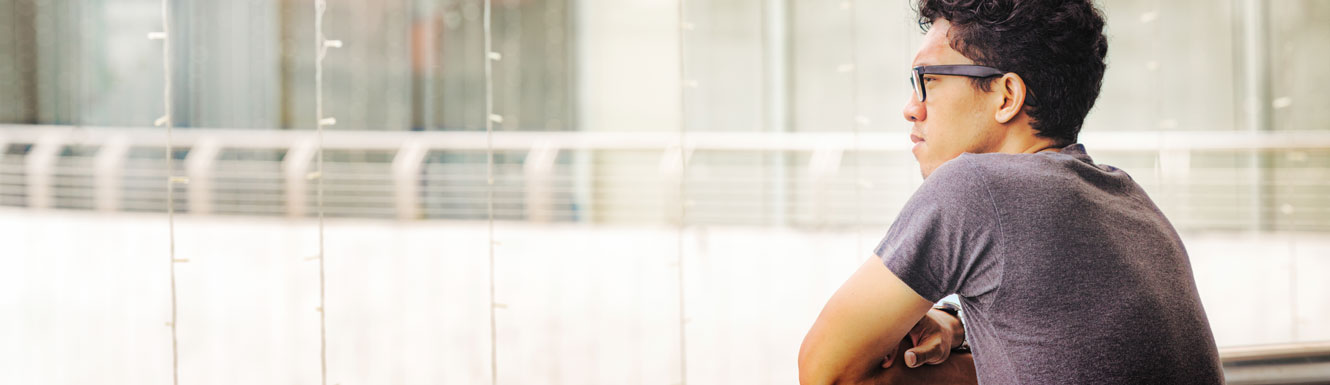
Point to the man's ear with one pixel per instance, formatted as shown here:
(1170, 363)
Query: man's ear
(1012, 89)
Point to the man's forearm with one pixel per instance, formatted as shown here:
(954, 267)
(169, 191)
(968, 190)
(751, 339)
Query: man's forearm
(859, 325)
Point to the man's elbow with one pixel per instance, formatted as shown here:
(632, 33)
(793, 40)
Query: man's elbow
(808, 373)
(813, 370)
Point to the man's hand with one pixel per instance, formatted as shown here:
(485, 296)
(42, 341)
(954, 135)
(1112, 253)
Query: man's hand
(934, 336)
(958, 369)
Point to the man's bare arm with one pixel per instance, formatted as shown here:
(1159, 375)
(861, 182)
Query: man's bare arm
(862, 322)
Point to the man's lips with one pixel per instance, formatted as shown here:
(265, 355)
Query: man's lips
(916, 138)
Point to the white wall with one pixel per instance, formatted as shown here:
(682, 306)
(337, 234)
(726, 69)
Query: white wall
(86, 299)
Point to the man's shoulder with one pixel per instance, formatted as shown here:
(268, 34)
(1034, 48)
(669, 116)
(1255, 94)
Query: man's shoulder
(977, 171)
(958, 186)
(955, 178)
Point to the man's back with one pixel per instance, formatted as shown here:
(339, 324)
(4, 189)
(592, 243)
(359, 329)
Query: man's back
(1067, 272)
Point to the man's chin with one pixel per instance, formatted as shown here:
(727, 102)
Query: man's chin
(926, 169)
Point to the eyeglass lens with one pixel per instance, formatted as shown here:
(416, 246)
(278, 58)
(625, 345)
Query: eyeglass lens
(917, 85)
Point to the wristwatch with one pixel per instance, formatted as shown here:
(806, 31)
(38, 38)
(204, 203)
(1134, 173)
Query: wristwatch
(955, 311)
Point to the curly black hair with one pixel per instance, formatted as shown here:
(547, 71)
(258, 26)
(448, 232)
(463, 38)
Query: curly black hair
(1056, 46)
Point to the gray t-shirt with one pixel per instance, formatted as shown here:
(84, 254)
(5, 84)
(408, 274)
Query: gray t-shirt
(1066, 271)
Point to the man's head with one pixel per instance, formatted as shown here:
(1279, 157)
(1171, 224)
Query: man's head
(1050, 54)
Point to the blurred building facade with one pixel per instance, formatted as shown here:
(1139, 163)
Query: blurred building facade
(757, 66)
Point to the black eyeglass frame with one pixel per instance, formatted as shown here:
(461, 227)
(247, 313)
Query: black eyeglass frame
(967, 70)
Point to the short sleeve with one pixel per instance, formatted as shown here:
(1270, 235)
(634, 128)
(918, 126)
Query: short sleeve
(946, 239)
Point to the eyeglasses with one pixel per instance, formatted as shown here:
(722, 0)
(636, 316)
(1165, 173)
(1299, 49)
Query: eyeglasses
(974, 71)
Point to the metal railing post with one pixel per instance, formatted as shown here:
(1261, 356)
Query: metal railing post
(198, 167)
(671, 171)
(406, 178)
(822, 167)
(538, 169)
(107, 171)
(295, 168)
(40, 166)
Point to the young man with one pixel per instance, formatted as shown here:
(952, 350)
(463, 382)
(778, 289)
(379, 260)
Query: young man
(1066, 271)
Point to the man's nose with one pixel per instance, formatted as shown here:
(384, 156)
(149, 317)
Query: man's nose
(914, 110)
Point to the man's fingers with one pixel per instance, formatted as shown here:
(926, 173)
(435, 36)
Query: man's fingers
(930, 351)
(917, 332)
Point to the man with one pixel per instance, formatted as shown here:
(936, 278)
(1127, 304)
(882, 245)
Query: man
(1067, 273)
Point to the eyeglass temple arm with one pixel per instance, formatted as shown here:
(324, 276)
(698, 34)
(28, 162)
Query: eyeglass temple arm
(963, 70)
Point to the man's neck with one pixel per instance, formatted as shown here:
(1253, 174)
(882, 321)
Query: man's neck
(1023, 139)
